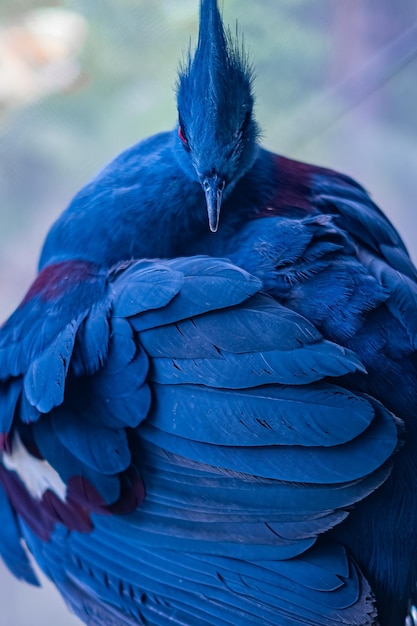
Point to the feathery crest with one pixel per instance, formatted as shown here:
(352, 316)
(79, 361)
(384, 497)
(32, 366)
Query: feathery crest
(215, 110)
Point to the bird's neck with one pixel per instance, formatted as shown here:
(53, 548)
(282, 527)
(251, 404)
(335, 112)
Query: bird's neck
(145, 205)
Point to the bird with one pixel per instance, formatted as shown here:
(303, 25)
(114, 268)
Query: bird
(208, 395)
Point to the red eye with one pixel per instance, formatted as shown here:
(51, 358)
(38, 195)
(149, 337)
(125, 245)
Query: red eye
(182, 136)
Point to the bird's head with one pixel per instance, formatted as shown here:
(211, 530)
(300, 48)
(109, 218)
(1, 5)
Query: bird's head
(216, 126)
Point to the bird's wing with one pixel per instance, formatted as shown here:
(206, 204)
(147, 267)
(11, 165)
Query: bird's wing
(324, 249)
(195, 437)
(380, 251)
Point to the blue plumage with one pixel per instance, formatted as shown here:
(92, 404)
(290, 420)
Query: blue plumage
(208, 396)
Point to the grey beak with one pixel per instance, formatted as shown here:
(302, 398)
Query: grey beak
(213, 188)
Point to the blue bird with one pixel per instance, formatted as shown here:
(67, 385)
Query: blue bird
(208, 396)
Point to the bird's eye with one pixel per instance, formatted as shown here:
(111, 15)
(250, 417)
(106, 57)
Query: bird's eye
(183, 136)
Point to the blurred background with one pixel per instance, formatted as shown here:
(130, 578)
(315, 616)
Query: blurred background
(80, 80)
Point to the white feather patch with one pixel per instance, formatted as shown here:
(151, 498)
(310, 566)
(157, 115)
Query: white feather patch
(37, 475)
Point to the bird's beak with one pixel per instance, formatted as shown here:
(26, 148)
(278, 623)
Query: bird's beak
(213, 188)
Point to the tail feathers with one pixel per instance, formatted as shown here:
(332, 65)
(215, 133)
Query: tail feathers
(111, 579)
